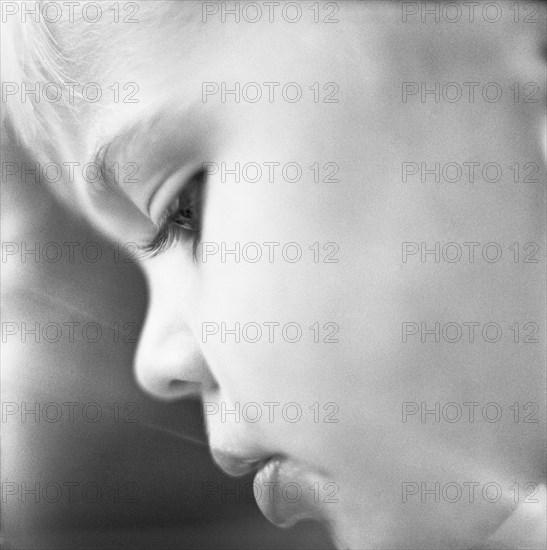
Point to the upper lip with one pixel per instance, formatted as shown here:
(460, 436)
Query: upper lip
(235, 465)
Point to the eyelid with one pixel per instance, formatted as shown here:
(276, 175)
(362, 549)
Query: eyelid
(168, 191)
(168, 230)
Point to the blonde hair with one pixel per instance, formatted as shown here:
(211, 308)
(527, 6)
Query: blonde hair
(39, 52)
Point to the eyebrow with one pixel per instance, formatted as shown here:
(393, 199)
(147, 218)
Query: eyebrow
(169, 140)
(151, 148)
(112, 200)
(109, 154)
(100, 159)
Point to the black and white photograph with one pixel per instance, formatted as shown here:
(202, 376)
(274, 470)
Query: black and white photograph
(273, 275)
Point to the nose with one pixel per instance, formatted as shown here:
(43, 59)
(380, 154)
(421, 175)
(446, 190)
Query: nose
(169, 364)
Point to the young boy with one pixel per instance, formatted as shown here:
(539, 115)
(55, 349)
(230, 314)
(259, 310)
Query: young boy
(339, 211)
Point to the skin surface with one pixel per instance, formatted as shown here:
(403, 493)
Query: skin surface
(370, 373)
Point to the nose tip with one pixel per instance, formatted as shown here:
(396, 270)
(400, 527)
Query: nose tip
(169, 363)
(172, 368)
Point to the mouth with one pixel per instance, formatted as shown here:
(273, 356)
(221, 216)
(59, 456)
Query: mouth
(234, 465)
(286, 491)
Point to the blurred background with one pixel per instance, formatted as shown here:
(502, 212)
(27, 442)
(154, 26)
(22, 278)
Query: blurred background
(89, 461)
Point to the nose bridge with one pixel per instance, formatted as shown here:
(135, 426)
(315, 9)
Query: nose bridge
(169, 363)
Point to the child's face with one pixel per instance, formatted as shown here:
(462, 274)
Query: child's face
(348, 374)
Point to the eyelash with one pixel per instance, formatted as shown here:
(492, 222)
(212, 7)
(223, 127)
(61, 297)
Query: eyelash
(170, 231)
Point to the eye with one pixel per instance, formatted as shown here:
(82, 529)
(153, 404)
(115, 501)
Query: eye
(185, 211)
(182, 220)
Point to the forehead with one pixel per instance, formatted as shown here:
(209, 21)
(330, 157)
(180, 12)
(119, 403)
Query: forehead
(175, 49)
(176, 44)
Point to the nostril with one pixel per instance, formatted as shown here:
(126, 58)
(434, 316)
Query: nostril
(181, 389)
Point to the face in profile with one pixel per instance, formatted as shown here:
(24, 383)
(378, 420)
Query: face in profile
(271, 217)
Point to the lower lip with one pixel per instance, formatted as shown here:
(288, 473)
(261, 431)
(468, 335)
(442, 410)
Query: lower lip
(287, 492)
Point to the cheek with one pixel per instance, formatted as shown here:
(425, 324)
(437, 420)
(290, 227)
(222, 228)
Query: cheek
(285, 313)
(271, 333)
